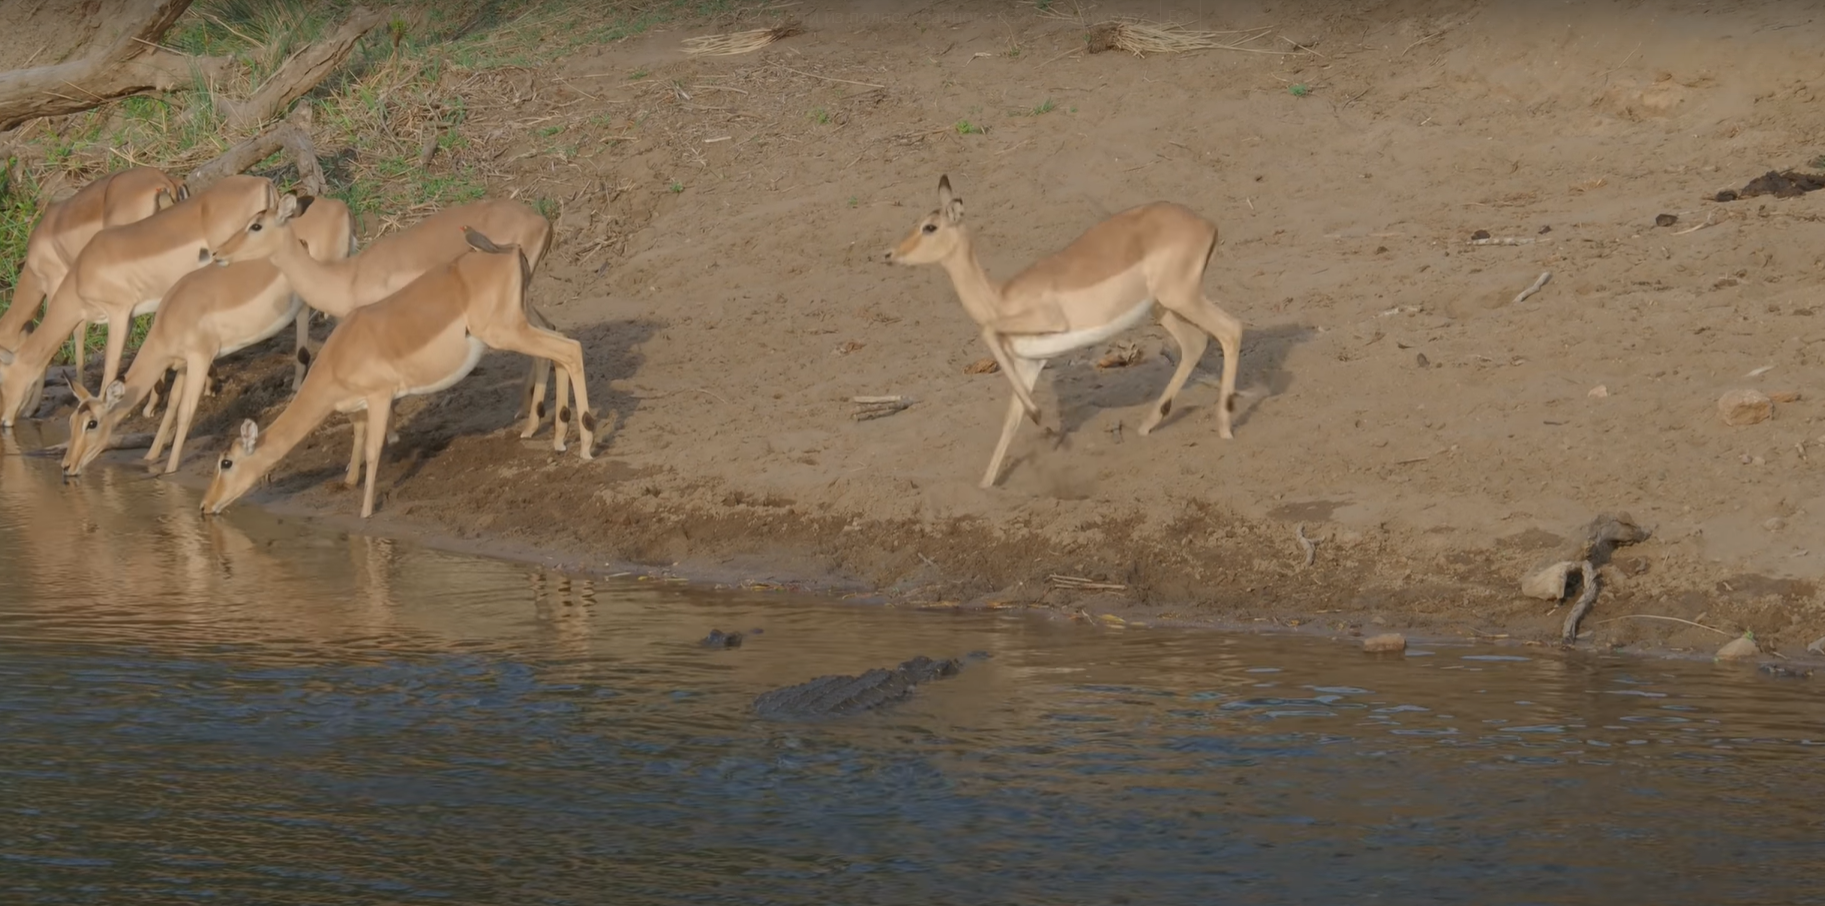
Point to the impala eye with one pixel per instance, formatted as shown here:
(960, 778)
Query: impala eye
(227, 463)
(931, 228)
(254, 228)
(93, 424)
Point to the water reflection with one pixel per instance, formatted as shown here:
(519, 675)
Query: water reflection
(244, 710)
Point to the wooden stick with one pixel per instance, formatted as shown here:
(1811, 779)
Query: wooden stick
(1544, 276)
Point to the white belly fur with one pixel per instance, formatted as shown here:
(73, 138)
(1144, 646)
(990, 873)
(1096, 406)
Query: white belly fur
(476, 348)
(268, 332)
(147, 307)
(1050, 345)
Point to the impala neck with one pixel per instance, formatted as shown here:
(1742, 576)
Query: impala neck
(323, 286)
(980, 296)
(304, 414)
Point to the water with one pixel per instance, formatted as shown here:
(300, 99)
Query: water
(243, 711)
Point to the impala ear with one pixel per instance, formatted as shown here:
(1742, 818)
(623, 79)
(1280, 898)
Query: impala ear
(183, 191)
(250, 436)
(113, 394)
(949, 204)
(82, 393)
(289, 207)
(6, 356)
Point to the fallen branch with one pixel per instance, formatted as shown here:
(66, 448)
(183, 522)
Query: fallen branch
(301, 73)
(288, 135)
(1079, 583)
(869, 407)
(1544, 276)
(133, 64)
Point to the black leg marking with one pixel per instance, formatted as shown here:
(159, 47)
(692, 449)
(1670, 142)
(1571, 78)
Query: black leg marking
(304, 356)
(564, 414)
(538, 407)
(589, 422)
(1165, 408)
(1229, 405)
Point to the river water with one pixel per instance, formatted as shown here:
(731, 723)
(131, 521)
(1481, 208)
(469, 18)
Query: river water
(248, 711)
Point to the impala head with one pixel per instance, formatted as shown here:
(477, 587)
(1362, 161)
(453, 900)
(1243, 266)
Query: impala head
(230, 208)
(261, 235)
(92, 424)
(936, 235)
(234, 473)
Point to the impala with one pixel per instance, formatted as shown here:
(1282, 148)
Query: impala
(119, 198)
(124, 271)
(1103, 283)
(420, 340)
(208, 314)
(383, 268)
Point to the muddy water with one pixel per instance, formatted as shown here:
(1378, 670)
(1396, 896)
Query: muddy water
(245, 711)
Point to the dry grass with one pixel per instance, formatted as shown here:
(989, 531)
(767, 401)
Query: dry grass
(1142, 38)
(741, 41)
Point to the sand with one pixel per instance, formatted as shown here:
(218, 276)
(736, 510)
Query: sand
(1436, 436)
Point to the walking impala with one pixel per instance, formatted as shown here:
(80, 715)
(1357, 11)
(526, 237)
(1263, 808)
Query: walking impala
(124, 271)
(208, 314)
(119, 198)
(420, 340)
(1105, 282)
(392, 261)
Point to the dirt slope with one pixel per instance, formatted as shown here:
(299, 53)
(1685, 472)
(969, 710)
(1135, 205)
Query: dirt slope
(718, 252)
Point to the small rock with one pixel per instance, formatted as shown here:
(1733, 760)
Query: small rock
(1479, 234)
(1775, 524)
(1744, 407)
(1545, 229)
(1738, 648)
(1422, 361)
(1785, 396)
(1666, 220)
(1548, 584)
(1386, 642)
(1598, 392)
(1726, 195)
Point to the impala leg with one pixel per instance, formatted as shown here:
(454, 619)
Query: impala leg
(1026, 376)
(360, 422)
(195, 378)
(163, 435)
(119, 325)
(163, 385)
(1192, 343)
(78, 340)
(536, 378)
(379, 409)
(559, 427)
(1199, 310)
(301, 357)
(1006, 359)
(563, 352)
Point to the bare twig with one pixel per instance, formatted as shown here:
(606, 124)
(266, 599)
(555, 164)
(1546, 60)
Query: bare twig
(1649, 616)
(1544, 276)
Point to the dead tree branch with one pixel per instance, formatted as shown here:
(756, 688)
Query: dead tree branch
(301, 73)
(133, 64)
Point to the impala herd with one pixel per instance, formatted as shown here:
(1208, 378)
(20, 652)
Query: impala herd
(231, 265)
